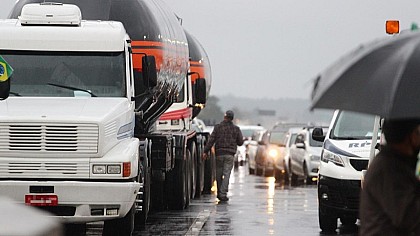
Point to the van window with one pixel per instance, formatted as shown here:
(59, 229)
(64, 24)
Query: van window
(353, 125)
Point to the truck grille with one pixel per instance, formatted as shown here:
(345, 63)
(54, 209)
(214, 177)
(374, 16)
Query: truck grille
(82, 138)
(46, 169)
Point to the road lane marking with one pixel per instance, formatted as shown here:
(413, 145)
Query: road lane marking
(198, 223)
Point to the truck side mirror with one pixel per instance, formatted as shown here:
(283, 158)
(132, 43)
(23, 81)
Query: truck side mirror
(318, 134)
(200, 91)
(149, 71)
(4, 89)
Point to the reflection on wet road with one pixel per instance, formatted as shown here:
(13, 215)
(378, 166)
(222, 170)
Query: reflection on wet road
(257, 206)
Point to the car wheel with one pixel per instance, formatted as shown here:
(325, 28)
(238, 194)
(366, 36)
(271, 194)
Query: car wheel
(268, 173)
(306, 177)
(327, 223)
(251, 171)
(278, 175)
(258, 171)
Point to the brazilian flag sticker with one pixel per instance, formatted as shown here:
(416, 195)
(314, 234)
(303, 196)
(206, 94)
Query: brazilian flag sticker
(5, 70)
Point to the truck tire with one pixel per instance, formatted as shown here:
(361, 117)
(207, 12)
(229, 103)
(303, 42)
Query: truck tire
(348, 221)
(193, 170)
(141, 217)
(122, 226)
(327, 223)
(178, 186)
(209, 172)
(188, 179)
(75, 229)
(200, 171)
(143, 200)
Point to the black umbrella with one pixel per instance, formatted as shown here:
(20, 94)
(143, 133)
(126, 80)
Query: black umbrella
(381, 78)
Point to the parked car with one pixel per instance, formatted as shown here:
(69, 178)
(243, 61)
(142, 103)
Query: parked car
(305, 156)
(281, 166)
(251, 150)
(247, 131)
(270, 151)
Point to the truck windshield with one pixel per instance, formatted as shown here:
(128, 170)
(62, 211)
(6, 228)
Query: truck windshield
(67, 74)
(353, 126)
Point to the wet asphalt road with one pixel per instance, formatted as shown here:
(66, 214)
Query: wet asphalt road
(258, 206)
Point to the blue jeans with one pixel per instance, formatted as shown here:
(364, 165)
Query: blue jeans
(224, 165)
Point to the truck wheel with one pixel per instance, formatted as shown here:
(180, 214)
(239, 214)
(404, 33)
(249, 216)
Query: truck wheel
(188, 179)
(327, 223)
(348, 221)
(209, 175)
(193, 169)
(75, 229)
(179, 175)
(143, 200)
(199, 172)
(122, 226)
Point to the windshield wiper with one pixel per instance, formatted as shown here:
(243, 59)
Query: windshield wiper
(73, 88)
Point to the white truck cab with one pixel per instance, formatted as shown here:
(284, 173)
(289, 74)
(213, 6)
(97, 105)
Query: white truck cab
(67, 127)
(344, 156)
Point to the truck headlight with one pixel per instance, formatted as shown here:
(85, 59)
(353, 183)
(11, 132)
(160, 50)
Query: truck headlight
(114, 169)
(99, 169)
(328, 156)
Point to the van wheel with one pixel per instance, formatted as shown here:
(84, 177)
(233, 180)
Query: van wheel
(327, 223)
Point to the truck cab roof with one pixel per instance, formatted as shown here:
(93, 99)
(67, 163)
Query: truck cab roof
(89, 36)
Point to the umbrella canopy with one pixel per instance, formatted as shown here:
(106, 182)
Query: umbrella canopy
(380, 78)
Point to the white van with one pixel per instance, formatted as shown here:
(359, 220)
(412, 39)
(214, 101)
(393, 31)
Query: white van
(345, 154)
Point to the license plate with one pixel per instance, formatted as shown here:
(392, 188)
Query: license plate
(41, 200)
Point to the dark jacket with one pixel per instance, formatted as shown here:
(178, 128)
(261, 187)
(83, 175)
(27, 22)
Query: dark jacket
(390, 200)
(226, 136)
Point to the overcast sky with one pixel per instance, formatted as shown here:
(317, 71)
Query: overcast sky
(274, 48)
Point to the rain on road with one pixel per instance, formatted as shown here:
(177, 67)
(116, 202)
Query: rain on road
(258, 206)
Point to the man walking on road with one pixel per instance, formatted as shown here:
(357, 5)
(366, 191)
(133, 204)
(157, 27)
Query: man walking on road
(390, 200)
(226, 137)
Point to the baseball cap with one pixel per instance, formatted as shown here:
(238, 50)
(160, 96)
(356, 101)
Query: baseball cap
(229, 114)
